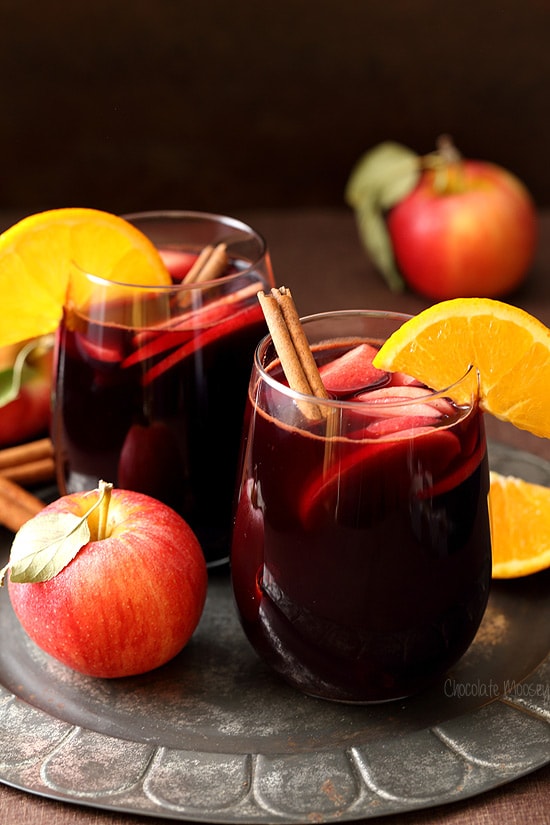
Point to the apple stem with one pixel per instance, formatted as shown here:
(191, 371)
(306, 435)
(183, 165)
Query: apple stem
(105, 489)
(448, 151)
(447, 165)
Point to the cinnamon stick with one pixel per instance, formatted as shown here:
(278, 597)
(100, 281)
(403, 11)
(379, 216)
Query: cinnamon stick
(32, 472)
(29, 463)
(301, 344)
(210, 264)
(293, 348)
(16, 505)
(31, 451)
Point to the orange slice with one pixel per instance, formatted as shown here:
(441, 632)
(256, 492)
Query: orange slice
(520, 526)
(36, 256)
(509, 348)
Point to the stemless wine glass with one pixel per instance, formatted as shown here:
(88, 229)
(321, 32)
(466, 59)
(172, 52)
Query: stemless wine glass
(151, 381)
(361, 558)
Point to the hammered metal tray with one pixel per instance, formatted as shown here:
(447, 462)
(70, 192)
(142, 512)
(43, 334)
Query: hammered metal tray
(216, 737)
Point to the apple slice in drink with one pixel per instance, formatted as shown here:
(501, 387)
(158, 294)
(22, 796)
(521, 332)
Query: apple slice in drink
(154, 341)
(352, 487)
(177, 262)
(390, 425)
(387, 410)
(401, 379)
(101, 352)
(352, 372)
(388, 401)
(244, 317)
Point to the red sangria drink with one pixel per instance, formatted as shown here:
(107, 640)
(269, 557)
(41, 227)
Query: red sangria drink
(151, 381)
(361, 558)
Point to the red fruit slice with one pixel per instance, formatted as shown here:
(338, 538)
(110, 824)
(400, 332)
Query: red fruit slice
(462, 471)
(387, 401)
(364, 482)
(353, 371)
(240, 319)
(102, 352)
(401, 379)
(178, 263)
(164, 337)
(162, 342)
(394, 424)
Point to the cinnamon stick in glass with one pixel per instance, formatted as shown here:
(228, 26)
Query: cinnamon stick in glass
(293, 348)
(210, 264)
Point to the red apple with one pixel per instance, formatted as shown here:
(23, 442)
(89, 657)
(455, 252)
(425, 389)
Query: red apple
(466, 231)
(148, 462)
(27, 415)
(126, 603)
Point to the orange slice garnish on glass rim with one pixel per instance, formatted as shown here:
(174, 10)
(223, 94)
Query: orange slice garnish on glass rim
(36, 256)
(509, 348)
(511, 351)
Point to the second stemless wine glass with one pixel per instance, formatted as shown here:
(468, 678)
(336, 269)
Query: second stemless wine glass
(361, 559)
(151, 381)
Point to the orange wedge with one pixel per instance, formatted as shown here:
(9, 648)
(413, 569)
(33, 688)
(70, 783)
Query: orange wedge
(509, 348)
(36, 256)
(520, 526)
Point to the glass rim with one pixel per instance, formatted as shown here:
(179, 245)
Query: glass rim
(213, 217)
(343, 403)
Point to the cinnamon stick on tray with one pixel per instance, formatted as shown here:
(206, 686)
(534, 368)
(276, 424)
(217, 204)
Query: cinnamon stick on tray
(293, 348)
(16, 505)
(29, 463)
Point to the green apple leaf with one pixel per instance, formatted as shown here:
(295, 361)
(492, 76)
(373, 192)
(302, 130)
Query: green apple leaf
(381, 179)
(376, 240)
(9, 386)
(13, 378)
(44, 546)
(385, 175)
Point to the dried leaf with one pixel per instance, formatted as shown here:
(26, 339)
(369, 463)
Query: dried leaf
(44, 546)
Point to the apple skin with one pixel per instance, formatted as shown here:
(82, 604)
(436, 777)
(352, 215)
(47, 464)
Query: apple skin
(477, 240)
(178, 262)
(125, 604)
(148, 461)
(28, 415)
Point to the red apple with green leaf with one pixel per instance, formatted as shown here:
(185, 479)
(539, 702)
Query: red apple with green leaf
(25, 390)
(110, 582)
(448, 227)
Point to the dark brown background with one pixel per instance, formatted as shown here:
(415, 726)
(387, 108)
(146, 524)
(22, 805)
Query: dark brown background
(228, 104)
